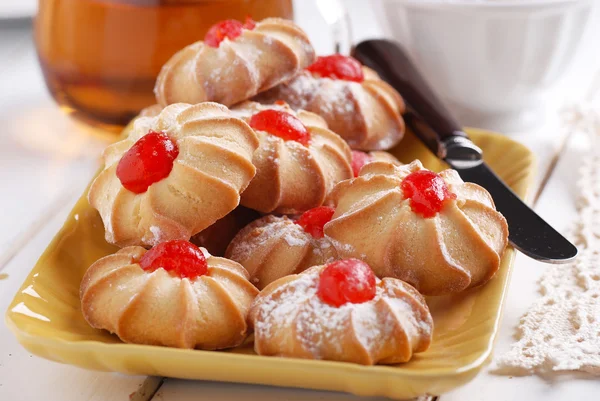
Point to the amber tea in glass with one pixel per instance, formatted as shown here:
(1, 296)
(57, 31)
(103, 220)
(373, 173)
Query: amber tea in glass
(100, 58)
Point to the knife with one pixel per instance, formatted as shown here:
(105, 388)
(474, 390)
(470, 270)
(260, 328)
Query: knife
(431, 121)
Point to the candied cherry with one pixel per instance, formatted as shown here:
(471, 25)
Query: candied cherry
(359, 159)
(178, 257)
(149, 160)
(337, 66)
(427, 192)
(229, 29)
(348, 280)
(281, 124)
(313, 220)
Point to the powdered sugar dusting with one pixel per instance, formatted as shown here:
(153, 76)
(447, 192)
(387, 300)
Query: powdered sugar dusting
(325, 96)
(372, 330)
(154, 237)
(295, 309)
(280, 312)
(342, 248)
(285, 230)
(336, 95)
(265, 230)
(267, 40)
(292, 238)
(405, 314)
(298, 92)
(323, 250)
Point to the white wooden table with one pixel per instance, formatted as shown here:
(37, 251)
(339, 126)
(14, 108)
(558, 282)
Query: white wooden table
(46, 160)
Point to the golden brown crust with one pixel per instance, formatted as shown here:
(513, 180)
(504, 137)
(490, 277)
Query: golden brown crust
(290, 320)
(367, 115)
(290, 177)
(273, 52)
(273, 247)
(157, 308)
(383, 156)
(151, 111)
(457, 249)
(213, 167)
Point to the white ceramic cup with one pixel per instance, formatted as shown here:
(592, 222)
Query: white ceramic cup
(492, 61)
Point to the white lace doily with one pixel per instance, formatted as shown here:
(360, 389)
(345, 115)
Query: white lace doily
(561, 330)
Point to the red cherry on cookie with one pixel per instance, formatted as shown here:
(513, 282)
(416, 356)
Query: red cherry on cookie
(229, 29)
(427, 192)
(313, 220)
(281, 124)
(337, 66)
(179, 257)
(149, 160)
(348, 280)
(359, 159)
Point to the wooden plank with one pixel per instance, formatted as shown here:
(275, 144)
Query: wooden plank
(46, 160)
(185, 390)
(27, 377)
(557, 206)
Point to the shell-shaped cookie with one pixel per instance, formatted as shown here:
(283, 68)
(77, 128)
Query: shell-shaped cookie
(460, 247)
(213, 167)
(157, 308)
(383, 156)
(290, 320)
(291, 177)
(273, 247)
(273, 52)
(361, 159)
(368, 114)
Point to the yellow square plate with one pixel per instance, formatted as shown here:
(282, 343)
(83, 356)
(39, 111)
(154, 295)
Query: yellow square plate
(46, 318)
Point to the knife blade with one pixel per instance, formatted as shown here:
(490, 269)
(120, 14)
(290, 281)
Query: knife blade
(433, 123)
